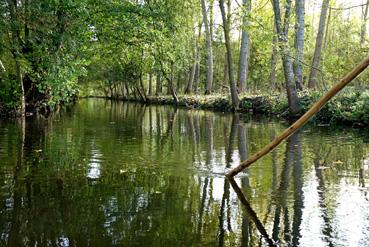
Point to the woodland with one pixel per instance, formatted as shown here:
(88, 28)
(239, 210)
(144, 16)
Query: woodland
(267, 56)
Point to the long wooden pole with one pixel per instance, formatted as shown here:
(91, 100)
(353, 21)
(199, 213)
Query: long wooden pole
(302, 120)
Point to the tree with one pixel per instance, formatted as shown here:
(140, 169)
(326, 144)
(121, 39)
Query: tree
(209, 47)
(244, 49)
(226, 27)
(315, 67)
(282, 34)
(363, 24)
(299, 42)
(42, 43)
(16, 49)
(274, 60)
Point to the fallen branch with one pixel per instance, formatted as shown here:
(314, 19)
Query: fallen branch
(302, 120)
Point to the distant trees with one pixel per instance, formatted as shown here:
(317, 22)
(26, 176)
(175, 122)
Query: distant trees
(52, 51)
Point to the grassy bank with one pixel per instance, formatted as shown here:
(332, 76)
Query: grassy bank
(347, 107)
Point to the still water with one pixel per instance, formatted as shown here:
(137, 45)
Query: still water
(105, 173)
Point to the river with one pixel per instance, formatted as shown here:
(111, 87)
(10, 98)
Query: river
(103, 173)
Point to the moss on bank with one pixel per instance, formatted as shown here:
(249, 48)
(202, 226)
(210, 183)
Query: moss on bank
(347, 107)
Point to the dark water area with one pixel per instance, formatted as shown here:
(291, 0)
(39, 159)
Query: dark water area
(106, 173)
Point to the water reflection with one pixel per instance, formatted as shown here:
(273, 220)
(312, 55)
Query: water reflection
(155, 176)
(251, 215)
(94, 166)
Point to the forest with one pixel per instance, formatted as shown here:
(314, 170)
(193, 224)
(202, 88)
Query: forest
(263, 56)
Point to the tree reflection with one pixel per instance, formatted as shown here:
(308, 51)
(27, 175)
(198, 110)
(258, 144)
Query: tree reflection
(251, 213)
(319, 162)
(159, 180)
(225, 203)
(298, 194)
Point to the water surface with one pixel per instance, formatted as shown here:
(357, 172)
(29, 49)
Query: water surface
(107, 173)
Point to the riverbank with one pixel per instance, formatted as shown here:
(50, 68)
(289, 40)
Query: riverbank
(347, 107)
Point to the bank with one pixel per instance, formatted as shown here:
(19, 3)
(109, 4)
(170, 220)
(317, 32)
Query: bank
(348, 107)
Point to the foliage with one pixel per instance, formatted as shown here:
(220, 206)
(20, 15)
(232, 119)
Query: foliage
(97, 47)
(50, 36)
(350, 107)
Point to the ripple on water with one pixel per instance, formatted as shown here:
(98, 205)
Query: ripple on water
(94, 165)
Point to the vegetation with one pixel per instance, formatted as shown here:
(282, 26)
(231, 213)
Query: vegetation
(53, 51)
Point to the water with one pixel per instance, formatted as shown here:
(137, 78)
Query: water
(110, 173)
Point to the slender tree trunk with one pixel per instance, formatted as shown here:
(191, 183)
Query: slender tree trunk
(363, 24)
(225, 69)
(198, 60)
(191, 78)
(197, 77)
(169, 79)
(326, 36)
(226, 27)
(20, 82)
(244, 50)
(209, 46)
(158, 84)
(142, 89)
(150, 84)
(2, 68)
(294, 145)
(293, 100)
(168, 88)
(274, 60)
(299, 42)
(127, 88)
(313, 78)
(179, 79)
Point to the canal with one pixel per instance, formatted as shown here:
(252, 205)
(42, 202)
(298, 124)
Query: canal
(103, 173)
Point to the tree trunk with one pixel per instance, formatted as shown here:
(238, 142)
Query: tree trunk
(179, 79)
(127, 89)
(244, 50)
(293, 100)
(197, 77)
(169, 79)
(226, 27)
(198, 60)
(168, 88)
(363, 24)
(171, 87)
(299, 42)
(318, 46)
(20, 82)
(225, 69)
(142, 89)
(326, 36)
(274, 60)
(150, 84)
(209, 46)
(191, 78)
(158, 84)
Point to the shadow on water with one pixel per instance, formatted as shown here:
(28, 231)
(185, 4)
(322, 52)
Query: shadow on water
(113, 173)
